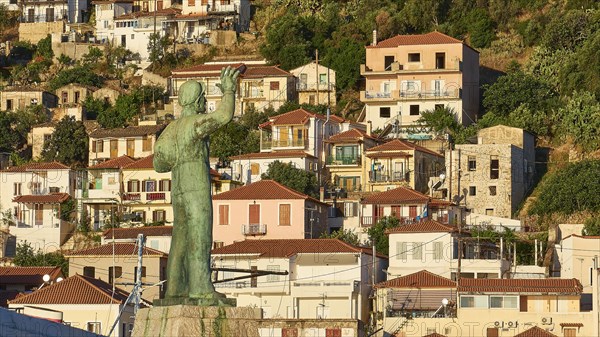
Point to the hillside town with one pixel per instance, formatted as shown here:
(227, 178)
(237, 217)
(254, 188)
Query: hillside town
(412, 181)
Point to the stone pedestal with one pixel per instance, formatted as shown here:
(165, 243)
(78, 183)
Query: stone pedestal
(197, 321)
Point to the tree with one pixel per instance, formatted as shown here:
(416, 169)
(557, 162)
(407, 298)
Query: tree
(68, 143)
(345, 235)
(157, 47)
(126, 107)
(591, 226)
(79, 74)
(579, 119)
(287, 42)
(481, 28)
(94, 106)
(44, 48)
(231, 140)
(568, 30)
(345, 55)
(296, 179)
(10, 139)
(92, 57)
(377, 233)
(26, 256)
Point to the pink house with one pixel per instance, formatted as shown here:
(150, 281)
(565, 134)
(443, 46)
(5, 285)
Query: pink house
(266, 210)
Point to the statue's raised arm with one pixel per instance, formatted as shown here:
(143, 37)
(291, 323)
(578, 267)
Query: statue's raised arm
(209, 123)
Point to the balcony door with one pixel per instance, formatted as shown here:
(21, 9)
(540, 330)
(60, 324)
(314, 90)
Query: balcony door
(39, 214)
(114, 148)
(49, 14)
(283, 137)
(254, 214)
(131, 147)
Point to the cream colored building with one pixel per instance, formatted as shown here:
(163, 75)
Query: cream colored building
(326, 278)
(106, 12)
(132, 141)
(81, 302)
(493, 176)
(73, 94)
(17, 98)
(99, 262)
(408, 74)
(107, 94)
(38, 137)
(157, 237)
(315, 84)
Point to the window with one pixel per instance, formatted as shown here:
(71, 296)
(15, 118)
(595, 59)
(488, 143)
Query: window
(472, 163)
(350, 209)
(149, 186)
(133, 36)
(158, 216)
(139, 216)
(272, 277)
(385, 112)
(97, 146)
(492, 190)
(322, 78)
(440, 60)
(414, 110)
(114, 273)
(191, 3)
(570, 332)
(105, 24)
(505, 302)
(494, 168)
(438, 250)
(254, 169)
(472, 190)
(164, 185)
(474, 301)
(218, 244)
(439, 107)
(9, 104)
(64, 97)
(133, 186)
(417, 251)
(414, 57)
(77, 96)
(285, 215)
(89, 272)
(401, 250)
(223, 214)
(95, 327)
(388, 60)
(17, 189)
(135, 273)
(274, 85)
(147, 143)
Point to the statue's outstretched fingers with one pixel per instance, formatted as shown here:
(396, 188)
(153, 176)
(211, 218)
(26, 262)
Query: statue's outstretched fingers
(236, 73)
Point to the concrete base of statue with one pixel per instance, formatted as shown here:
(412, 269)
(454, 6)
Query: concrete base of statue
(192, 320)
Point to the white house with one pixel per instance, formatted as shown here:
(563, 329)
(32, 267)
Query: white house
(315, 84)
(44, 11)
(316, 278)
(106, 12)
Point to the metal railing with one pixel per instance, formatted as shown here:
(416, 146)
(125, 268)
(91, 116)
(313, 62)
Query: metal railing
(313, 86)
(343, 160)
(132, 196)
(155, 196)
(289, 143)
(41, 18)
(387, 176)
(254, 229)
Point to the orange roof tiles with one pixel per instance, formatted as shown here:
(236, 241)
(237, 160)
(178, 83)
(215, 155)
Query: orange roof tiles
(416, 39)
(257, 71)
(299, 117)
(27, 275)
(352, 135)
(160, 12)
(535, 332)
(37, 167)
(274, 154)
(54, 198)
(400, 195)
(132, 233)
(262, 190)
(246, 71)
(571, 325)
(421, 279)
(289, 247)
(202, 70)
(115, 163)
(130, 131)
(549, 285)
(142, 164)
(435, 334)
(119, 249)
(425, 226)
(76, 289)
(399, 145)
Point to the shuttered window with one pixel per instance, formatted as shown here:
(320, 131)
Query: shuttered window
(223, 214)
(417, 250)
(401, 250)
(285, 215)
(133, 186)
(164, 185)
(438, 250)
(254, 214)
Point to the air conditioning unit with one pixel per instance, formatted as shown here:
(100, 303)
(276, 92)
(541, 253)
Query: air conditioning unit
(498, 324)
(546, 320)
(511, 324)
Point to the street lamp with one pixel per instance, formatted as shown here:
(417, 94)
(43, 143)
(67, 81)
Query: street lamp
(445, 304)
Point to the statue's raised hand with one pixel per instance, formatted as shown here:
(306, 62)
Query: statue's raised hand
(228, 79)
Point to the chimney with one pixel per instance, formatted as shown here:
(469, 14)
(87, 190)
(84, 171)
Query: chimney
(369, 128)
(374, 43)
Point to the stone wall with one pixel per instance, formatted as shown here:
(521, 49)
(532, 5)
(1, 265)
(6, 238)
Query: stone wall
(34, 32)
(74, 50)
(150, 78)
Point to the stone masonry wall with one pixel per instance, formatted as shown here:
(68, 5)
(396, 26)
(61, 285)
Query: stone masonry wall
(34, 32)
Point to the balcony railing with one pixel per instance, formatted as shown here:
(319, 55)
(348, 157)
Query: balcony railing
(132, 196)
(313, 86)
(289, 143)
(42, 18)
(155, 196)
(343, 160)
(254, 229)
(442, 93)
(368, 221)
(388, 176)
(411, 67)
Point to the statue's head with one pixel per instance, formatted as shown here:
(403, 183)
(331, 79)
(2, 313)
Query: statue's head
(191, 98)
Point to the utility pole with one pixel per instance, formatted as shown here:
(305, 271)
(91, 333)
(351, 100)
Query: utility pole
(450, 168)
(317, 73)
(138, 275)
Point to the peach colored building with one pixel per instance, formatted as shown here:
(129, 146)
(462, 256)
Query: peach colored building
(133, 141)
(266, 210)
(408, 74)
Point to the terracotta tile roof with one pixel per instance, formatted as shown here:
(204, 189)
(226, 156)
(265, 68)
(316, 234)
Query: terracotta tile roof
(22, 88)
(571, 325)
(54, 198)
(535, 332)
(274, 154)
(435, 334)
(27, 275)
(76, 289)
(192, 16)
(389, 154)
(160, 12)
(425, 226)
(549, 285)
(262, 190)
(204, 70)
(130, 131)
(116, 163)
(298, 117)
(416, 39)
(400, 195)
(145, 163)
(259, 71)
(290, 247)
(400, 145)
(132, 233)
(121, 249)
(37, 167)
(352, 135)
(78, 85)
(420, 279)
(439, 203)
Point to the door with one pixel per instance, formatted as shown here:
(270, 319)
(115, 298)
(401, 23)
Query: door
(412, 211)
(377, 213)
(283, 136)
(39, 214)
(254, 215)
(131, 147)
(49, 14)
(30, 15)
(397, 211)
(492, 332)
(123, 40)
(114, 148)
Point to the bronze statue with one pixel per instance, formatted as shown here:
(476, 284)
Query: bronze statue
(182, 149)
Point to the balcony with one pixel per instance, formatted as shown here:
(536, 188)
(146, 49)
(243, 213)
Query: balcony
(379, 96)
(297, 143)
(388, 176)
(431, 94)
(397, 68)
(43, 18)
(132, 197)
(155, 196)
(322, 86)
(254, 229)
(343, 160)
(368, 221)
(310, 288)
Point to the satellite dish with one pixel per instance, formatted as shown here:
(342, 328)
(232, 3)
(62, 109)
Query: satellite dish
(46, 278)
(59, 279)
